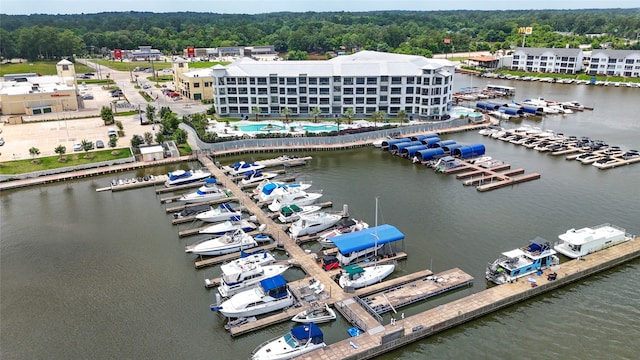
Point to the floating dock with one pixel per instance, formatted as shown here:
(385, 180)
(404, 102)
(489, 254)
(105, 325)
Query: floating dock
(212, 202)
(490, 178)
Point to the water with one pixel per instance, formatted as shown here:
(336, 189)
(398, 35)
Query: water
(262, 127)
(104, 275)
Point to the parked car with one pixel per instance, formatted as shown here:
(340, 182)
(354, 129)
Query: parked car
(1, 141)
(112, 132)
(99, 144)
(146, 86)
(87, 97)
(77, 146)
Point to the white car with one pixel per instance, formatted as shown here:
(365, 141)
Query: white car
(77, 146)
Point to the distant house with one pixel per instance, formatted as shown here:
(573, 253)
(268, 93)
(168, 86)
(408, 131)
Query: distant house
(151, 153)
(548, 60)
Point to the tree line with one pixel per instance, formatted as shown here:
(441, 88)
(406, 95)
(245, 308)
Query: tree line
(410, 32)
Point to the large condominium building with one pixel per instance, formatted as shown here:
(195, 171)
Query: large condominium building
(365, 82)
(615, 63)
(547, 60)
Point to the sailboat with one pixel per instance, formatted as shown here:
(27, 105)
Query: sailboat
(356, 276)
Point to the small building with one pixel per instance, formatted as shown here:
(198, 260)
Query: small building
(484, 62)
(151, 153)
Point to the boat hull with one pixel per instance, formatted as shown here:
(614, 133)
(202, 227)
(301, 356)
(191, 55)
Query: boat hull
(371, 275)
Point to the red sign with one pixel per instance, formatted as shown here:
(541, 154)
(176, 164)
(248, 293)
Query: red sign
(447, 41)
(117, 54)
(191, 52)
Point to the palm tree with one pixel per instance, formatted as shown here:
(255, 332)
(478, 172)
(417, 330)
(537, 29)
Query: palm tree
(378, 115)
(286, 112)
(60, 150)
(401, 116)
(349, 114)
(34, 151)
(256, 110)
(315, 111)
(148, 138)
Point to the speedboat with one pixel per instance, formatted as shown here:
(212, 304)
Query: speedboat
(589, 159)
(228, 227)
(300, 340)
(355, 276)
(192, 211)
(242, 167)
(257, 175)
(207, 192)
(576, 243)
(223, 212)
(604, 162)
(631, 154)
(259, 258)
(313, 223)
(295, 197)
(343, 227)
(292, 212)
(317, 313)
(237, 276)
(514, 264)
(267, 190)
(224, 244)
(181, 177)
(272, 294)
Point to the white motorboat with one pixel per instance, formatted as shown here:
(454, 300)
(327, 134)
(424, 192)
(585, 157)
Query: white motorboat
(192, 211)
(207, 192)
(313, 223)
(237, 277)
(576, 243)
(266, 190)
(242, 167)
(292, 212)
(514, 264)
(296, 197)
(257, 175)
(378, 143)
(228, 227)
(589, 158)
(259, 258)
(317, 313)
(272, 294)
(181, 177)
(343, 227)
(300, 340)
(356, 276)
(224, 212)
(604, 162)
(224, 244)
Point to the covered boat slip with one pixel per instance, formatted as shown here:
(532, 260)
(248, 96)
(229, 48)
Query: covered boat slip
(364, 241)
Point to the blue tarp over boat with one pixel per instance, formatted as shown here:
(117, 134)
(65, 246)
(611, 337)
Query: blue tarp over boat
(430, 142)
(388, 143)
(209, 181)
(469, 151)
(403, 145)
(428, 154)
(365, 239)
(275, 286)
(422, 137)
(308, 331)
(411, 150)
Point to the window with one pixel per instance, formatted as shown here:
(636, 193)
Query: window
(372, 81)
(371, 91)
(313, 91)
(348, 81)
(302, 90)
(324, 81)
(313, 81)
(360, 81)
(383, 98)
(291, 81)
(348, 91)
(396, 91)
(396, 80)
(324, 91)
(371, 101)
(196, 85)
(360, 91)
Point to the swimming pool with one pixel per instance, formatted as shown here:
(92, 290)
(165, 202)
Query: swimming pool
(320, 128)
(260, 127)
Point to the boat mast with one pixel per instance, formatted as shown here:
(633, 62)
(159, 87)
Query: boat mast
(376, 235)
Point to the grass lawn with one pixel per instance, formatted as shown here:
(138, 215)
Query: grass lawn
(205, 64)
(129, 66)
(51, 162)
(39, 67)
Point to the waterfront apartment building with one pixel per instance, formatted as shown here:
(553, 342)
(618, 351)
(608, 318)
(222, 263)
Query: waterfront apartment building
(624, 63)
(548, 60)
(366, 82)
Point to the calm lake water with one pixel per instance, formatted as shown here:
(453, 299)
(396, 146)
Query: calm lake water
(104, 275)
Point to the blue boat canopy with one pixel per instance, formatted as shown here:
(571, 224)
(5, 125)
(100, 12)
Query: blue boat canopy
(210, 181)
(365, 239)
(308, 331)
(271, 283)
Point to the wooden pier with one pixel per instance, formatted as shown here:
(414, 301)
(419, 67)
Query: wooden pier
(486, 179)
(212, 202)
(215, 260)
(192, 185)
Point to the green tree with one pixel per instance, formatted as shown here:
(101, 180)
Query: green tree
(151, 113)
(119, 125)
(286, 112)
(165, 112)
(256, 111)
(148, 138)
(159, 137)
(86, 145)
(113, 141)
(107, 115)
(60, 150)
(315, 111)
(402, 115)
(376, 116)
(136, 141)
(349, 114)
(181, 136)
(34, 151)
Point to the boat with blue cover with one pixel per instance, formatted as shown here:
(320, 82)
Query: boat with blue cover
(300, 340)
(365, 243)
(267, 190)
(242, 167)
(514, 264)
(257, 175)
(272, 294)
(240, 276)
(181, 177)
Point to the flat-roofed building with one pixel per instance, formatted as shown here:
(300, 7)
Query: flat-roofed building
(547, 60)
(615, 63)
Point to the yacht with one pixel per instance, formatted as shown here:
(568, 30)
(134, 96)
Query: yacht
(242, 167)
(238, 276)
(181, 177)
(228, 227)
(207, 192)
(225, 244)
(514, 264)
(292, 213)
(192, 211)
(313, 223)
(343, 227)
(294, 197)
(258, 258)
(576, 243)
(604, 162)
(268, 190)
(272, 294)
(224, 212)
(257, 175)
(300, 340)
(355, 276)
(317, 313)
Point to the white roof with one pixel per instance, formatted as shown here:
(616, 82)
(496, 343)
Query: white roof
(586, 235)
(513, 253)
(151, 149)
(364, 63)
(42, 84)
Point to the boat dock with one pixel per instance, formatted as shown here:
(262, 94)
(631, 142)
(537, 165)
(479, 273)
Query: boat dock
(427, 323)
(186, 219)
(490, 178)
(215, 260)
(154, 181)
(192, 185)
(290, 162)
(212, 202)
